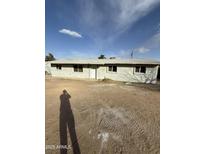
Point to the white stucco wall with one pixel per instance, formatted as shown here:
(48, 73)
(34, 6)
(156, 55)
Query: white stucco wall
(127, 74)
(68, 72)
(124, 73)
(48, 67)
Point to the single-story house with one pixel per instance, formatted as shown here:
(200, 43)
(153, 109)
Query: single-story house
(128, 70)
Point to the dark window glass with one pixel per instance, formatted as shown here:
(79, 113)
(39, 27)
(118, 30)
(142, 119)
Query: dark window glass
(137, 69)
(58, 66)
(75, 68)
(78, 68)
(143, 69)
(114, 68)
(110, 68)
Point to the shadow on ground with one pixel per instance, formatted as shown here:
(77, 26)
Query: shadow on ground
(67, 121)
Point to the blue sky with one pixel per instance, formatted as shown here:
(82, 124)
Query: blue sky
(88, 28)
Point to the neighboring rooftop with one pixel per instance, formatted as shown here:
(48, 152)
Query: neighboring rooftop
(106, 61)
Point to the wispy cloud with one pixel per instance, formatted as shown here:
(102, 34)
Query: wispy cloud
(142, 50)
(153, 42)
(108, 22)
(71, 33)
(124, 54)
(149, 45)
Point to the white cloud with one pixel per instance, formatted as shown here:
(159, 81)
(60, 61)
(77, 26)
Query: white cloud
(124, 54)
(141, 50)
(153, 43)
(115, 17)
(133, 10)
(71, 33)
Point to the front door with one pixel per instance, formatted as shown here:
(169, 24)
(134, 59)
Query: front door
(93, 73)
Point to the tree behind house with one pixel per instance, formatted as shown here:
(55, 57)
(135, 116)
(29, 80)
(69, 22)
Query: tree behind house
(49, 57)
(112, 57)
(102, 57)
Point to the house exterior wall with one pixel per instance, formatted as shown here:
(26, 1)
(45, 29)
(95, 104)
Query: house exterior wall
(68, 72)
(124, 73)
(128, 74)
(48, 67)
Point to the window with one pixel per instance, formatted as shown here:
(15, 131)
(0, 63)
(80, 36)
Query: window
(143, 69)
(78, 68)
(137, 69)
(58, 67)
(140, 69)
(112, 68)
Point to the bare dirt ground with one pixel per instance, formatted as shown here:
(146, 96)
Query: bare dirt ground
(110, 117)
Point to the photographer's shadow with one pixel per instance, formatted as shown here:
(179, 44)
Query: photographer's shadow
(67, 120)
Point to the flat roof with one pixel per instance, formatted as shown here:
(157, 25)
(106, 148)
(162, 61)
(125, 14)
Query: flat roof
(106, 61)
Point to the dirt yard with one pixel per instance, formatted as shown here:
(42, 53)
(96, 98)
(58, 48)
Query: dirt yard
(109, 117)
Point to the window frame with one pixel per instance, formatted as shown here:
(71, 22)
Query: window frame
(144, 70)
(111, 68)
(78, 68)
(135, 68)
(59, 66)
(140, 69)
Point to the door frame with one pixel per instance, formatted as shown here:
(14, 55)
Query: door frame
(93, 68)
